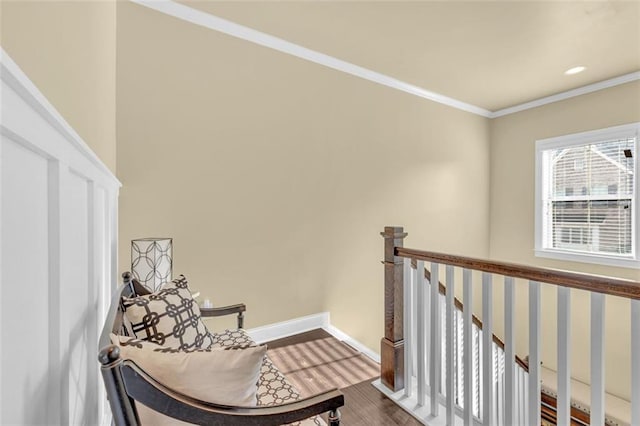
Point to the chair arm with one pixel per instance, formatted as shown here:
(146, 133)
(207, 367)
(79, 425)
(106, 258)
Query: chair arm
(240, 308)
(142, 387)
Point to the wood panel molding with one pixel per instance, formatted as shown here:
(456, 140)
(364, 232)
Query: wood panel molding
(58, 228)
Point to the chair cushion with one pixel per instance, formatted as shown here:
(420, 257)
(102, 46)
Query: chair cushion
(225, 376)
(169, 317)
(231, 338)
(273, 387)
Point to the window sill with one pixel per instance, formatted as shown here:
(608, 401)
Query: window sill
(619, 262)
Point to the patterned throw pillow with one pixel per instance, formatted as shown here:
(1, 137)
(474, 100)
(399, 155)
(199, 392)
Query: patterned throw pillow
(226, 376)
(169, 317)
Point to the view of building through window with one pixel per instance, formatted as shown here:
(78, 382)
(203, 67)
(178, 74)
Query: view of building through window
(588, 199)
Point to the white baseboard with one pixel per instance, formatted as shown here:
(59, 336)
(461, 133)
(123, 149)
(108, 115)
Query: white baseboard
(340, 335)
(288, 328)
(294, 326)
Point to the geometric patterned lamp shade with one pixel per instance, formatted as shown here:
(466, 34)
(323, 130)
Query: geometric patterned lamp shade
(152, 261)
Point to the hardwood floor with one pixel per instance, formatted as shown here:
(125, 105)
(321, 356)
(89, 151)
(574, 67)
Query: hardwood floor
(316, 361)
(366, 406)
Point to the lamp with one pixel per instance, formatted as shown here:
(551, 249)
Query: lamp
(152, 261)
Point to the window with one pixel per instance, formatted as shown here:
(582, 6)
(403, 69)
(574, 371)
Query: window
(586, 199)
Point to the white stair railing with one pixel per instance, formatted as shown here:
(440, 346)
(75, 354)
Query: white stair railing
(457, 368)
(449, 329)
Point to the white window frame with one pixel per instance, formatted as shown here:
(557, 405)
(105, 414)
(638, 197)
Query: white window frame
(576, 139)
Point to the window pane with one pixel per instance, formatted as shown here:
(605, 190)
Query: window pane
(586, 186)
(593, 226)
(594, 169)
(590, 197)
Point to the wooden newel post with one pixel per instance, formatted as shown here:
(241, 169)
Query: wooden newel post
(392, 344)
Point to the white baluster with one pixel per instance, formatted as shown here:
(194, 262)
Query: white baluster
(427, 326)
(434, 371)
(597, 358)
(498, 415)
(459, 358)
(468, 347)
(443, 346)
(522, 418)
(525, 396)
(408, 327)
(487, 351)
(500, 401)
(414, 321)
(564, 356)
(450, 373)
(422, 333)
(510, 402)
(477, 371)
(635, 362)
(533, 389)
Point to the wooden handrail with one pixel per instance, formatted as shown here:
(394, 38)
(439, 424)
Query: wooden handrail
(599, 284)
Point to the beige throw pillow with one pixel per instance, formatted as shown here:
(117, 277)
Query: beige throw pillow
(218, 375)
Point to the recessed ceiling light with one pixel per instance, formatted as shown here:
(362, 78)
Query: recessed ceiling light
(574, 70)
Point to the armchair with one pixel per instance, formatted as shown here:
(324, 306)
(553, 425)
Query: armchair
(126, 383)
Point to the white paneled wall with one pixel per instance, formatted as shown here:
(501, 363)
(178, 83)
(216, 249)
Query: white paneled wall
(58, 227)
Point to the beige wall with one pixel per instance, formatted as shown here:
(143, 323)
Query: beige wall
(512, 223)
(67, 48)
(275, 176)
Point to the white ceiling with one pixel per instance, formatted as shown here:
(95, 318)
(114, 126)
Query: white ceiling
(490, 54)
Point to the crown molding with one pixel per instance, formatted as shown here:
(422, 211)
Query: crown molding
(207, 20)
(215, 23)
(616, 81)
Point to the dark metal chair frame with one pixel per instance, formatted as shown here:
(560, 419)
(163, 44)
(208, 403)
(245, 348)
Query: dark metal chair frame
(125, 383)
